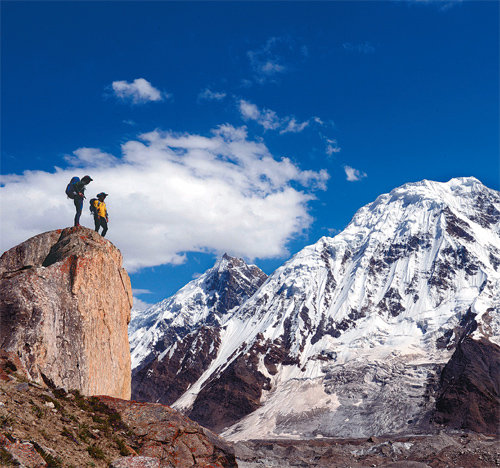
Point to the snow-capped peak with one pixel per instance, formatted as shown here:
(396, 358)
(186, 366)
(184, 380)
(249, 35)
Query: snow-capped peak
(396, 285)
(345, 338)
(207, 299)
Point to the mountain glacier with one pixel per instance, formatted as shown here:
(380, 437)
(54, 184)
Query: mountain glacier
(347, 338)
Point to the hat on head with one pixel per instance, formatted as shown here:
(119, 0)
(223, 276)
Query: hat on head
(102, 194)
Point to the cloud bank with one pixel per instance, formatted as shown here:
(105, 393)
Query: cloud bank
(138, 91)
(173, 193)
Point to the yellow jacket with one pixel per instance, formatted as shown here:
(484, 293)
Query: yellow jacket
(101, 208)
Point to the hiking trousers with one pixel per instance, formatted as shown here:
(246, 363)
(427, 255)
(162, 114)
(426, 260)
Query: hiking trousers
(99, 222)
(78, 201)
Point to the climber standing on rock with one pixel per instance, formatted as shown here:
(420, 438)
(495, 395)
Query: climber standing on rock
(76, 191)
(100, 212)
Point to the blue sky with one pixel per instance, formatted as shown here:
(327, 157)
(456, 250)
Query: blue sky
(185, 111)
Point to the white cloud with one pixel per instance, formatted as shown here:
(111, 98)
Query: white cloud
(138, 91)
(94, 156)
(361, 48)
(269, 119)
(265, 62)
(271, 68)
(139, 306)
(294, 127)
(173, 193)
(274, 58)
(353, 175)
(444, 5)
(209, 95)
(249, 110)
(332, 146)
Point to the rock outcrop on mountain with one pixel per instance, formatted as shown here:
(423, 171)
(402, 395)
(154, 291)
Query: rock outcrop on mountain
(65, 304)
(174, 341)
(469, 396)
(349, 337)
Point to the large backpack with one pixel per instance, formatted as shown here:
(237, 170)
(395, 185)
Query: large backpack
(92, 207)
(69, 188)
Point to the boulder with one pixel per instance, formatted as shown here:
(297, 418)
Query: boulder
(167, 435)
(65, 304)
(20, 454)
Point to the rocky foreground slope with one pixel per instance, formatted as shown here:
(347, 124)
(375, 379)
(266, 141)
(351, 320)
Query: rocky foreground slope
(350, 337)
(44, 426)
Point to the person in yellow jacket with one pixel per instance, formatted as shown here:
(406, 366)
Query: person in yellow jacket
(100, 213)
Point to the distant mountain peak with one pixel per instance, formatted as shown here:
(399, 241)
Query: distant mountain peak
(347, 338)
(227, 262)
(206, 301)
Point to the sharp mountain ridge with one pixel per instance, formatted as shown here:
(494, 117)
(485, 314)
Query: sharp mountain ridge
(173, 341)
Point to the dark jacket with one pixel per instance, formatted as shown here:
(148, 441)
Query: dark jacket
(78, 187)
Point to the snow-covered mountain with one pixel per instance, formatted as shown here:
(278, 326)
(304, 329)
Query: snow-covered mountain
(173, 341)
(349, 336)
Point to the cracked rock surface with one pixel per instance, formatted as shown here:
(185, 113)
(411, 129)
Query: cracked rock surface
(65, 304)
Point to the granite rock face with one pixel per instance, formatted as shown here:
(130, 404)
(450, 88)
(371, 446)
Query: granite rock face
(65, 304)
